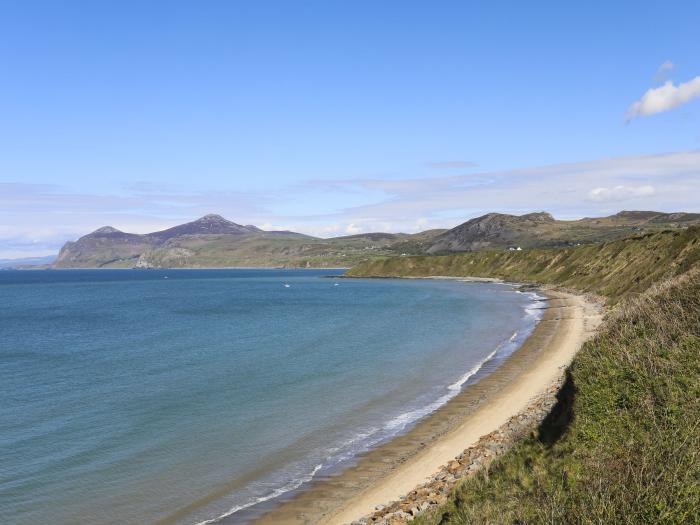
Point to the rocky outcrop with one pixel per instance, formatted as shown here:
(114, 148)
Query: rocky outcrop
(491, 230)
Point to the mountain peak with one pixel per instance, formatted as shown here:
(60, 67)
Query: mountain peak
(540, 216)
(212, 217)
(106, 229)
(211, 224)
(492, 229)
(637, 215)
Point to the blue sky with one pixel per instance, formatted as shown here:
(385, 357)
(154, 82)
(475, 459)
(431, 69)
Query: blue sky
(338, 117)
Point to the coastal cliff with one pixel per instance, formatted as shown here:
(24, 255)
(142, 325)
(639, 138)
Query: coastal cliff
(612, 269)
(619, 444)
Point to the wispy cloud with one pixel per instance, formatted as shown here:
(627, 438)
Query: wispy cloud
(664, 98)
(663, 71)
(37, 219)
(620, 193)
(665, 182)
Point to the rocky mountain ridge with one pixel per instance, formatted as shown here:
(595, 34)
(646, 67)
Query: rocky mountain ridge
(213, 241)
(499, 230)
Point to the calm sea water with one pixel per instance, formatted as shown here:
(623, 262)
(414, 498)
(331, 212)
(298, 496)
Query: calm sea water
(139, 396)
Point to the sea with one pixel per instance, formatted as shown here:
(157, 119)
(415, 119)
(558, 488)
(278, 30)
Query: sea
(185, 396)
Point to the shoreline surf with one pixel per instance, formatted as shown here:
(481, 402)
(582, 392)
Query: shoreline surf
(395, 467)
(413, 355)
(395, 427)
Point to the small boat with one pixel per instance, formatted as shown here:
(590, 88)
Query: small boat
(287, 285)
(336, 284)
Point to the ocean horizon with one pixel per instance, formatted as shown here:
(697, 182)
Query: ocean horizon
(185, 396)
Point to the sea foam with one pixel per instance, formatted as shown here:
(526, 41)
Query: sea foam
(373, 436)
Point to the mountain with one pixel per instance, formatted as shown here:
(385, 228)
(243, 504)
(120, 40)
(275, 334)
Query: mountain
(492, 230)
(213, 241)
(104, 247)
(207, 225)
(541, 230)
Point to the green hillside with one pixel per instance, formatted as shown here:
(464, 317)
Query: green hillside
(612, 269)
(213, 241)
(541, 230)
(264, 249)
(623, 443)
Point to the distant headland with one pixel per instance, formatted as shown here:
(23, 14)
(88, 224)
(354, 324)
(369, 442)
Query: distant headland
(213, 241)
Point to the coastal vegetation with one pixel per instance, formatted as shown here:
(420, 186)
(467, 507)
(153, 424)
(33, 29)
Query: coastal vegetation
(612, 269)
(622, 445)
(212, 241)
(215, 242)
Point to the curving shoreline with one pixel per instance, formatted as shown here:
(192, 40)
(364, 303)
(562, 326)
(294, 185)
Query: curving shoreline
(396, 468)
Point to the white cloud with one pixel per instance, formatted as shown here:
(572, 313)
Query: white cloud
(664, 98)
(663, 70)
(563, 189)
(330, 229)
(664, 182)
(620, 193)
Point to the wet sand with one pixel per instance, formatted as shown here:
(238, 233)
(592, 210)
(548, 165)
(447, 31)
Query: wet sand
(396, 467)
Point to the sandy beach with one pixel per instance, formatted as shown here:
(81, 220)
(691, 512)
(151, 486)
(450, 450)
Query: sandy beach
(397, 467)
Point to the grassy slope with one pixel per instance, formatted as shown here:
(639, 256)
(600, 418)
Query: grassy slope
(193, 249)
(499, 231)
(263, 249)
(623, 444)
(612, 269)
(630, 452)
